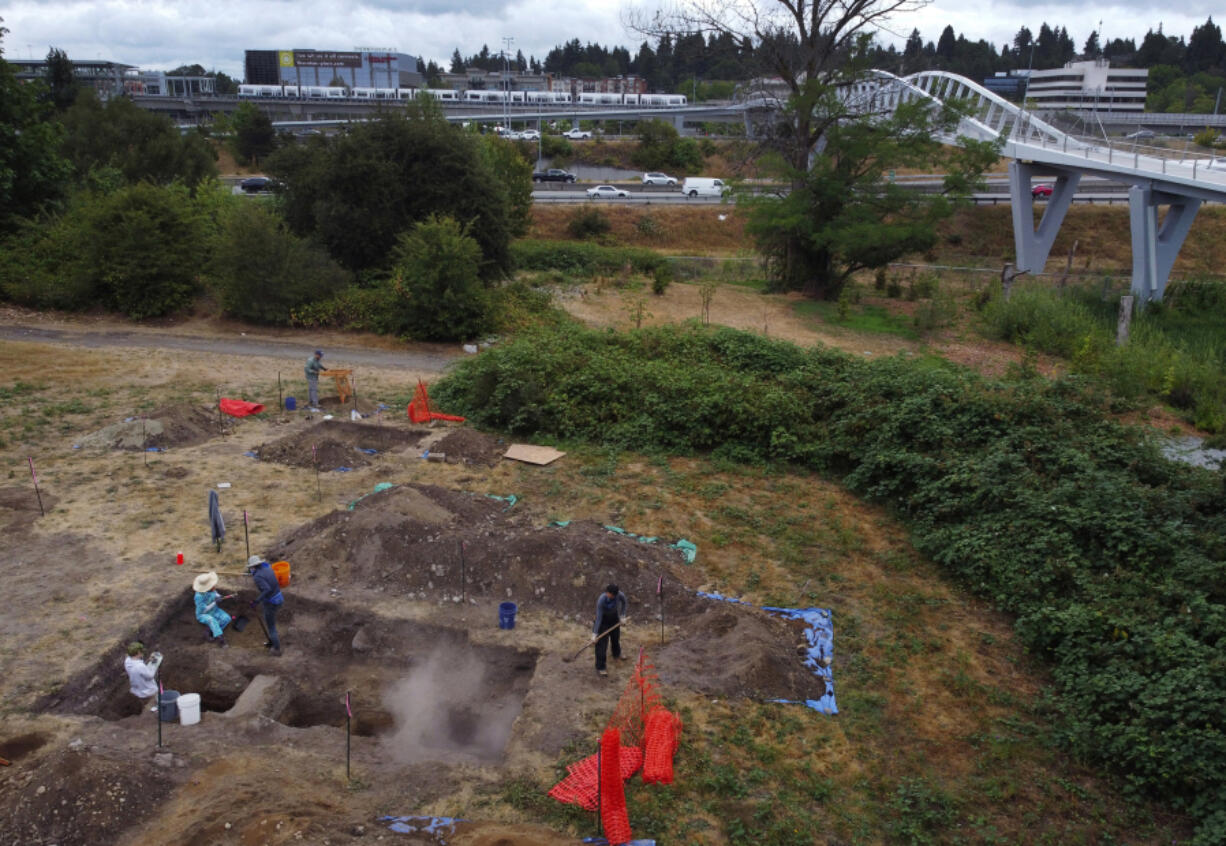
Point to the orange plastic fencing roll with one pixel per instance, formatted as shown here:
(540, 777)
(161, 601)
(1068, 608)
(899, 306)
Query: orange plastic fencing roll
(613, 816)
(281, 571)
(661, 739)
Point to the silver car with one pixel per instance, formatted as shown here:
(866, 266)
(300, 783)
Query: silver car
(658, 179)
(607, 192)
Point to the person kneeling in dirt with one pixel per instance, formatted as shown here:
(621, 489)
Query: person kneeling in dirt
(207, 609)
(142, 674)
(610, 609)
(270, 596)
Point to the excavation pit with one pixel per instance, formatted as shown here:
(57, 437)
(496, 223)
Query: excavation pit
(422, 692)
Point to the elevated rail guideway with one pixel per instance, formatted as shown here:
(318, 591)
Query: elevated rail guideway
(1040, 150)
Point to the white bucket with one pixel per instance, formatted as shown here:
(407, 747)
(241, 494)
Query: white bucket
(189, 709)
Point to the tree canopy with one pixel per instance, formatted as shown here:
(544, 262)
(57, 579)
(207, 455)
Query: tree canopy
(358, 191)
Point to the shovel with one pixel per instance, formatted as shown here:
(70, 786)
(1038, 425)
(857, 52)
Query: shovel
(591, 643)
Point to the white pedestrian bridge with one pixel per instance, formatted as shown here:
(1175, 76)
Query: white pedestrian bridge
(1157, 177)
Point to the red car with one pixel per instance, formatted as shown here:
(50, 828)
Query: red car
(1040, 191)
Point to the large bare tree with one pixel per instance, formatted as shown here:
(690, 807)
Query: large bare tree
(835, 213)
(807, 45)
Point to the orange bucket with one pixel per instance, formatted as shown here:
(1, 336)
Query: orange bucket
(281, 571)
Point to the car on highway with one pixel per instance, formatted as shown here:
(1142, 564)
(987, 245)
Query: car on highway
(554, 174)
(607, 192)
(576, 134)
(1140, 133)
(256, 185)
(658, 179)
(1040, 191)
(530, 135)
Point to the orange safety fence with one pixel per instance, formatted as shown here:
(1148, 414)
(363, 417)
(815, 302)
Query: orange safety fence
(419, 408)
(660, 745)
(640, 697)
(580, 785)
(613, 816)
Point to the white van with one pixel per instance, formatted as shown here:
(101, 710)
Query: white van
(702, 186)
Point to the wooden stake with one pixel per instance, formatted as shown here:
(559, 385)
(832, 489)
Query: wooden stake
(280, 402)
(246, 536)
(144, 440)
(36, 493)
(463, 580)
(348, 732)
(158, 711)
(315, 458)
(660, 597)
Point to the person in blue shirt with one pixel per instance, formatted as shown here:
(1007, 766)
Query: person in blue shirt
(270, 597)
(610, 610)
(207, 609)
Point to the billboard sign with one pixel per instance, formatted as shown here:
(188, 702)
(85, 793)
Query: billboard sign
(327, 59)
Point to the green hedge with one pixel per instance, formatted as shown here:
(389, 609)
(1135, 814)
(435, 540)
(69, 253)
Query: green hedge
(1110, 556)
(581, 258)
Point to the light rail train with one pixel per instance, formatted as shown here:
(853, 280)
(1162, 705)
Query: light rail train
(447, 95)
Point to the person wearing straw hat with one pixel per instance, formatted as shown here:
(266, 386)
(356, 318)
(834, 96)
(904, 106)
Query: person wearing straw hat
(270, 597)
(142, 674)
(207, 609)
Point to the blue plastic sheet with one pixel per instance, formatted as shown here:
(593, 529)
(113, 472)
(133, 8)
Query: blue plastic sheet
(509, 499)
(342, 469)
(368, 451)
(379, 488)
(819, 634)
(250, 454)
(437, 826)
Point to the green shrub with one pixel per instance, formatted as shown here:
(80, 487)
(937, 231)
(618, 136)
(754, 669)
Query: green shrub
(661, 278)
(438, 293)
(263, 271)
(557, 148)
(355, 308)
(580, 258)
(589, 223)
(648, 226)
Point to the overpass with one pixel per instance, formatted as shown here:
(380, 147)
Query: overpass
(1155, 177)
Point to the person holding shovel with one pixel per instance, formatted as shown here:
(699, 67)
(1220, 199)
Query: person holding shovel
(270, 596)
(610, 609)
(207, 609)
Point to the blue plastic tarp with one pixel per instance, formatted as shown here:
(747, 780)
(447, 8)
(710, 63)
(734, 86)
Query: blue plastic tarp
(437, 826)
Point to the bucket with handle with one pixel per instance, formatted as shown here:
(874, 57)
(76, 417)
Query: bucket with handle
(168, 706)
(506, 615)
(290, 403)
(189, 709)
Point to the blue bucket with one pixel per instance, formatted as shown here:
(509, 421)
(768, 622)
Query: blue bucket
(168, 706)
(506, 615)
(290, 403)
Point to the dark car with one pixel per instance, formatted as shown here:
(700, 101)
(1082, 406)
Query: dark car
(1040, 191)
(256, 185)
(553, 175)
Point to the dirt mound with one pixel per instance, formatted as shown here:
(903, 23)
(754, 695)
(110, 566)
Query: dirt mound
(338, 443)
(171, 426)
(740, 651)
(333, 405)
(78, 796)
(407, 540)
(470, 447)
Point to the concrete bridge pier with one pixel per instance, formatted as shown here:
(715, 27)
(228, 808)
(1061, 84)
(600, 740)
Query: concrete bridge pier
(1155, 244)
(1033, 244)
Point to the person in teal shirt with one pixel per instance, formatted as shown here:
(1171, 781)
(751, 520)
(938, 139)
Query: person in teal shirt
(207, 609)
(313, 368)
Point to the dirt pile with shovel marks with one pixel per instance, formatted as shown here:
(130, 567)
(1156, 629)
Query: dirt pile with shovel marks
(339, 443)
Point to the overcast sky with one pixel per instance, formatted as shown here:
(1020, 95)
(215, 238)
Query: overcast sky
(160, 35)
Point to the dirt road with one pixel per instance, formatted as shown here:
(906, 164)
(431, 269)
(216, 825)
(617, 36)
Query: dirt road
(433, 360)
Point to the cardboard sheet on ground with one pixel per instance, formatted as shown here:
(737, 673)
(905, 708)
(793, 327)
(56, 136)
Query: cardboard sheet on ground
(533, 454)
